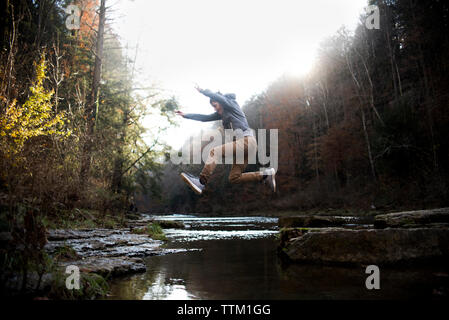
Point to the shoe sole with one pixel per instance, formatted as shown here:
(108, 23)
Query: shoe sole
(273, 180)
(190, 184)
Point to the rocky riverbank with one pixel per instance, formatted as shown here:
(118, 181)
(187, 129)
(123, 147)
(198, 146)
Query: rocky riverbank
(97, 251)
(391, 238)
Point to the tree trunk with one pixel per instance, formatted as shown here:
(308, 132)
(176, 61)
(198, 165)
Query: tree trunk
(117, 175)
(427, 91)
(390, 49)
(118, 163)
(368, 144)
(91, 109)
(365, 131)
(324, 92)
(315, 151)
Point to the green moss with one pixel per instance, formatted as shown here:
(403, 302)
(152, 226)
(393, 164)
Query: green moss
(169, 224)
(154, 230)
(48, 224)
(83, 219)
(110, 223)
(65, 252)
(138, 230)
(92, 286)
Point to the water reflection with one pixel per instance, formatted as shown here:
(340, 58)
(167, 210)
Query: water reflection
(223, 223)
(174, 289)
(195, 235)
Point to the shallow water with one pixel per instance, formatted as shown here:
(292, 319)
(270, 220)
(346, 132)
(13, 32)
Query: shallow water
(235, 258)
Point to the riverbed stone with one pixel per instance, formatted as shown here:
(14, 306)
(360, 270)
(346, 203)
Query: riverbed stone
(67, 234)
(311, 221)
(112, 244)
(104, 251)
(372, 246)
(413, 219)
(170, 224)
(112, 266)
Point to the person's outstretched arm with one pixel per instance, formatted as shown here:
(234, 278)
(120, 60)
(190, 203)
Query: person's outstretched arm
(200, 117)
(215, 96)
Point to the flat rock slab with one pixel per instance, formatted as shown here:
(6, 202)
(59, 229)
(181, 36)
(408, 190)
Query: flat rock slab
(412, 219)
(314, 221)
(113, 266)
(104, 266)
(371, 246)
(170, 224)
(105, 251)
(117, 243)
(63, 234)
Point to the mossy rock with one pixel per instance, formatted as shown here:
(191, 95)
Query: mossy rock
(374, 246)
(153, 230)
(170, 224)
(65, 253)
(92, 286)
(412, 219)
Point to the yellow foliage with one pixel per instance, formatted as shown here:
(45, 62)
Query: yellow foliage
(34, 118)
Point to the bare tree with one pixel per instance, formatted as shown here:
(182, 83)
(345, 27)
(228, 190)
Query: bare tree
(90, 110)
(360, 95)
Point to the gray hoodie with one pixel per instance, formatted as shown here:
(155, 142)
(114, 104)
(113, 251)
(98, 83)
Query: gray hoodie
(232, 117)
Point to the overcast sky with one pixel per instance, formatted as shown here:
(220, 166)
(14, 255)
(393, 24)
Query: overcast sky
(238, 46)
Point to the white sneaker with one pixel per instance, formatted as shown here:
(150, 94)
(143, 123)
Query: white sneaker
(270, 178)
(193, 182)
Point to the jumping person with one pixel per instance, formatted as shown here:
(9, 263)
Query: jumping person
(228, 110)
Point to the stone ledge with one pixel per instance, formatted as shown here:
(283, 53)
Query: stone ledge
(412, 219)
(113, 266)
(313, 221)
(372, 246)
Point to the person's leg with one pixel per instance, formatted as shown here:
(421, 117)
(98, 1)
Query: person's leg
(249, 145)
(214, 155)
(236, 176)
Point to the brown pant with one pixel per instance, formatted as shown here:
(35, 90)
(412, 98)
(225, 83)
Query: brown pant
(245, 146)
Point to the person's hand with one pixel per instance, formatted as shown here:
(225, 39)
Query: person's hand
(180, 113)
(198, 88)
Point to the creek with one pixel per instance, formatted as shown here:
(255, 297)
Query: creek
(236, 258)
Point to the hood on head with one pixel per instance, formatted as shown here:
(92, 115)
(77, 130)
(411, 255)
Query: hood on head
(230, 96)
(226, 95)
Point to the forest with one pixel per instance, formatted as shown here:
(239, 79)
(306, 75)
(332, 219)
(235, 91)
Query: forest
(365, 130)
(72, 153)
